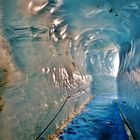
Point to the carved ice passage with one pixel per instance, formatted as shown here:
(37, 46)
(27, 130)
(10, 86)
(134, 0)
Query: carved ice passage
(57, 50)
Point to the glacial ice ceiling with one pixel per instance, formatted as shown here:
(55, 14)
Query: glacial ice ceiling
(50, 50)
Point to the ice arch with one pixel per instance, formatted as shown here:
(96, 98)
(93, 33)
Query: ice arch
(61, 48)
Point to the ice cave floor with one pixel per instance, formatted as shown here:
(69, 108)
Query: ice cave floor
(100, 120)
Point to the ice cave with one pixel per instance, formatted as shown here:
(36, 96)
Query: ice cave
(69, 70)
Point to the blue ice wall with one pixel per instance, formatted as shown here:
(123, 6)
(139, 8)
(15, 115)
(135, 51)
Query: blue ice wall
(46, 76)
(129, 86)
(128, 77)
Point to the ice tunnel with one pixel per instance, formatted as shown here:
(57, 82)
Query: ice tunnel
(56, 56)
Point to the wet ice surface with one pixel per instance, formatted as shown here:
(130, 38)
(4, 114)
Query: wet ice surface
(100, 120)
(58, 46)
(47, 78)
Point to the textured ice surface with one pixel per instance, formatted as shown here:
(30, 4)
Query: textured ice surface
(57, 48)
(48, 76)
